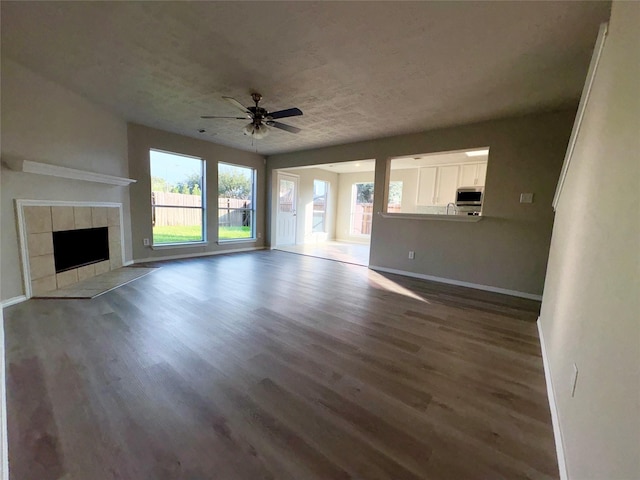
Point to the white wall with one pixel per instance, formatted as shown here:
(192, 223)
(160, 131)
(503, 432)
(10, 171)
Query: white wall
(4, 447)
(591, 305)
(409, 178)
(44, 122)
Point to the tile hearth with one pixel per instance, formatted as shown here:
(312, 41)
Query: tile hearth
(97, 285)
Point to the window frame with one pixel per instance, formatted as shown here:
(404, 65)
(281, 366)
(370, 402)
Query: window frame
(203, 207)
(324, 211)
(252, 211)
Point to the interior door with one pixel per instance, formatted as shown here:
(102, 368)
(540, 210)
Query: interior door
(287, 204)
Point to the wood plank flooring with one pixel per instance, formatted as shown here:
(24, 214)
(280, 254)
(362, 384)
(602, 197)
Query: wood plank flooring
(271, 365)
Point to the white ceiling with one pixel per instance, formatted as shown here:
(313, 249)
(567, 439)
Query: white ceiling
(358, 70)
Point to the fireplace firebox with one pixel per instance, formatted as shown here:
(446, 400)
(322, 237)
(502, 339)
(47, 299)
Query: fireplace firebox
(76, 248)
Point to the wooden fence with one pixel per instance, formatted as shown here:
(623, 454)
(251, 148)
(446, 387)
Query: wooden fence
(231, 211)
(363, 217)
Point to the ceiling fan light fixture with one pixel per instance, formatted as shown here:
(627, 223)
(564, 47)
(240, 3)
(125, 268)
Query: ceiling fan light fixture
(256, 131)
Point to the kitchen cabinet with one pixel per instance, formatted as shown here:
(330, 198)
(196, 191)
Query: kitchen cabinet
(447, 184)
(427, 185)
(437, 185)
(482, 173)
(472, 174)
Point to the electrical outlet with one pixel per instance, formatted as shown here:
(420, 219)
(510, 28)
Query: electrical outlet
(412, 254)
(145, 242)
(574, 379)
(259, 235)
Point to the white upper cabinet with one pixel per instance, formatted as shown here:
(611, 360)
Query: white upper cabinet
(473, 174)
(482, 173)
(427, 186)
(437, 185)
(447, 184)
(468, 175)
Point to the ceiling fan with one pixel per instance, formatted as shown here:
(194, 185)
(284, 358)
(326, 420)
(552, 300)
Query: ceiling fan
(261, 118)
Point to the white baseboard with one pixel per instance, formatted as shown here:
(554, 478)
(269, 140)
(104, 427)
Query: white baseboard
(477, 286)
(193, 255)
(557, 433)
(127, 263)
(4, 445)
(12, 301)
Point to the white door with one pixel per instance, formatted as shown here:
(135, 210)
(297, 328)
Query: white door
(287, 204)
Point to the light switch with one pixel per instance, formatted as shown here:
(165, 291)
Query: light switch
(526, 198)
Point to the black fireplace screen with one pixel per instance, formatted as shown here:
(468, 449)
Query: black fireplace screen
(76, 248)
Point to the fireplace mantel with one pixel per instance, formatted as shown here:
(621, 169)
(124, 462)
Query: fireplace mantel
(29, 166)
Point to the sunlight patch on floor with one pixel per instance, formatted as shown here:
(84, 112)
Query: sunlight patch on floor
(383, 283)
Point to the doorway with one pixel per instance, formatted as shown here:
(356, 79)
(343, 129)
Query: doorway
(334, 210)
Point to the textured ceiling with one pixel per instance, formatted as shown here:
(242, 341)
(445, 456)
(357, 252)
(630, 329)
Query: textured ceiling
(357, 70)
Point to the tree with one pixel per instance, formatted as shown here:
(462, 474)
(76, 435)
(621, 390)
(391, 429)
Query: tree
(191, 185)
(159, 184)
(234, 185)
(364, 192)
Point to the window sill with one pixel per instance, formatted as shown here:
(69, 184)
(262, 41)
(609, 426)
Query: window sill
(165, 246)
(426, 216)
(237, 240)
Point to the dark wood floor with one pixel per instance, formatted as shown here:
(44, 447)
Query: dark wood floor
(270, 365)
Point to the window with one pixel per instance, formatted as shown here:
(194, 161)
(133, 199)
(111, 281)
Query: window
(429, 183)
(320, 197)
(236, 206)
(395, 197)
(177, 198)
(361, 208)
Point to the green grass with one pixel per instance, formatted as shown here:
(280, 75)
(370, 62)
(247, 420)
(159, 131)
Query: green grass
(226, 233)
(193, 233)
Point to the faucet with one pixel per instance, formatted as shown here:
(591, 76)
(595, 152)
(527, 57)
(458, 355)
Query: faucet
(455, 211)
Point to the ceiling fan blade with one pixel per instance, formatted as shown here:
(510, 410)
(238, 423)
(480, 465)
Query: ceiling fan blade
(237, 118)
(236, 104)
(283, 126)
(289, 112)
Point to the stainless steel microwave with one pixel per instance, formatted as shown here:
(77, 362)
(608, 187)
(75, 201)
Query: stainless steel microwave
(469, 197)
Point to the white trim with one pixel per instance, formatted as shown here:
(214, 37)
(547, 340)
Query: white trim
(29, 166)
(428, 216)
(22, 233)
(127, 263)
(555, 419)
(477, 286)
(236, 240)
(193, 255)
(168, 246)
(13, 301)
(584, 99)
(4, 443)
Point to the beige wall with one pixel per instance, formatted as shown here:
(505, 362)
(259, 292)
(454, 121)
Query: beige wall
(508, 249)
(591, 309)
(44, 122)
(304, 226)
(141, 140)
